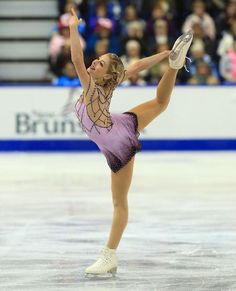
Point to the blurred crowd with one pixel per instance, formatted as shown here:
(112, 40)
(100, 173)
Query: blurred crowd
(138, 28)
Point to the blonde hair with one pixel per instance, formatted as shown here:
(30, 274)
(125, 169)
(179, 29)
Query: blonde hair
(116, 70)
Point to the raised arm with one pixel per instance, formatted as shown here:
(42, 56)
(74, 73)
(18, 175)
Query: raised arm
(144, 64)
(77, 55)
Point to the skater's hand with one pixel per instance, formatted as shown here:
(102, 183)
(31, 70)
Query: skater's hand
(166, 53)
(73, 20)
(161, 56)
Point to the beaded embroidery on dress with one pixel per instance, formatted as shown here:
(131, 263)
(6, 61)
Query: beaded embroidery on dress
(97, 104)
(115, 134)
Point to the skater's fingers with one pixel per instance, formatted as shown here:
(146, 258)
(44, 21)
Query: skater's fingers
(73, 12)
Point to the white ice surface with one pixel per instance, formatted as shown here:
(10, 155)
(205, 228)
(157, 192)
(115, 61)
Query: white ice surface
(55, 215)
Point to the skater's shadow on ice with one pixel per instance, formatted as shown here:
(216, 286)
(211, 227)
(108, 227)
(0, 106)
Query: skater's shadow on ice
(98, 278)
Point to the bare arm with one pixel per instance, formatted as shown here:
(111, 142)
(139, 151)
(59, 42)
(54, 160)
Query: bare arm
(77, 55)
(144, 64)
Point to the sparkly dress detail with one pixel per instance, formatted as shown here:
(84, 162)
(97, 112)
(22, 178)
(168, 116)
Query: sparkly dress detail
(116, 135)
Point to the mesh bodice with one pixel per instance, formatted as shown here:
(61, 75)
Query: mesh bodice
(116, 135)
(96, 102)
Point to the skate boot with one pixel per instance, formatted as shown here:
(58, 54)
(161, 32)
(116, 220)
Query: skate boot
(179, 51)
(106, 265)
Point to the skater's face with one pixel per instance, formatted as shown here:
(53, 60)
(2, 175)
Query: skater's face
(107, 70)
(99, 67)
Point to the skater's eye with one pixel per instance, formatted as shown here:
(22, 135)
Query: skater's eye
(101, 62)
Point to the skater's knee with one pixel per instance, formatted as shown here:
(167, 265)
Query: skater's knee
(161, 105)
(119, 204)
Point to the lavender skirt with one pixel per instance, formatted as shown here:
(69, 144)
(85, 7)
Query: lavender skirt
(119, 143)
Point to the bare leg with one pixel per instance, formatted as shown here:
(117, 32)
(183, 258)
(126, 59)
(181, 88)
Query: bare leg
(149, 110)
(166, 85)
(120, 183)
(122, 179)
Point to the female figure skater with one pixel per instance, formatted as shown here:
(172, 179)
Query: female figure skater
(117, 135)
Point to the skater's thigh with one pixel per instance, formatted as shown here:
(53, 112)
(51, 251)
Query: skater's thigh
(120, 183)
(147, 111)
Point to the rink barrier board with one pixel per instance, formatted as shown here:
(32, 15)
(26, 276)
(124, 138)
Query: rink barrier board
(197, 119)
(147, 145)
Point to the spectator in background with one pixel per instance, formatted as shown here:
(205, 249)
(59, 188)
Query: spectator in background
(57, 41)
(215, 7)
(182, 8)
(156, 72)
(66, 15)
(200, 16)
(129, 17)
(69, 76)
(133, 54)
(135, 32)
(153, 24)
(198, 55)
(160, 36)
(63, 57)
(82, 5)
(159, 12)
(134, 80)
(226, 43)
(228, 65)
(216, 4)
(226, 18)
(61, 37)
(101, 48)
(68, 5)
(145, 6)
(203, 75)
(166, 5)
(101, 12)
(103, 30)
(209, 44)
(140, 5)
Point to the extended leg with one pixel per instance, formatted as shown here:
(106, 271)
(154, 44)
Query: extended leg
(149, 110)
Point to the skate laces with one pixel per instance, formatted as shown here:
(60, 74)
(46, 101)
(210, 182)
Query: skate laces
(105, 256)
(185, 66)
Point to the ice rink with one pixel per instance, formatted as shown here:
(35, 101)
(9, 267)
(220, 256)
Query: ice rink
(56, 210)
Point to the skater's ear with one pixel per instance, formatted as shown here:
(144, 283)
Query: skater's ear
(107, 76)
(113, 76)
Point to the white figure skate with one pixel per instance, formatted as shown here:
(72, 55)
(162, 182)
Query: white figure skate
(105, 266)
(179, 51)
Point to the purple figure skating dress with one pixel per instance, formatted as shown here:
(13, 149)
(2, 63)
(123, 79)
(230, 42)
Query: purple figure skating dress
(116, 135)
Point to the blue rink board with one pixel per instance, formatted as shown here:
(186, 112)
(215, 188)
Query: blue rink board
(147, 145)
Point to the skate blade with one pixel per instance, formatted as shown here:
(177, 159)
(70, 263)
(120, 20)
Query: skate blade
(185, 38)
(111, 273)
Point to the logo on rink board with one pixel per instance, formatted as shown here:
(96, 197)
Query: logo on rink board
(38, 123)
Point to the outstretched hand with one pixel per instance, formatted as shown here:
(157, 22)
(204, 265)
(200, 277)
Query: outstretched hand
(166, 53)
(73, 20)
